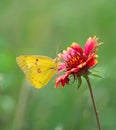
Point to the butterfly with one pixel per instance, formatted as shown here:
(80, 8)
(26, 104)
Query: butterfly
(38, 69)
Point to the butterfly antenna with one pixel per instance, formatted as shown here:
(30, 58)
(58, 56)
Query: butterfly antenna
(56, 59)
(57, 50)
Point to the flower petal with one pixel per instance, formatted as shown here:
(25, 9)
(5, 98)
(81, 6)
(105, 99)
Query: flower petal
(90, 45)
(62, 66)
(70, 52)
(58, 81)
(77, 47)
(92, 63)
(75, 69)
(62, 80)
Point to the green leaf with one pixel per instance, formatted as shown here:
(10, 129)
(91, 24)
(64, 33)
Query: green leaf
(79, 82)
(86, 76)
(96, 75)
(95, 70)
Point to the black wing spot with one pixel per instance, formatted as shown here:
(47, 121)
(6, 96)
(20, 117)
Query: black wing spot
(37, 59)
(27, 66)
(39, 70)
(36, 63)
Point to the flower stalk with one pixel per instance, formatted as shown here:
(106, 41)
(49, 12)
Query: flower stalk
(94, 104)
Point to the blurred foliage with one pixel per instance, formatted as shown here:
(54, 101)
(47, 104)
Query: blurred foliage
(37, 27)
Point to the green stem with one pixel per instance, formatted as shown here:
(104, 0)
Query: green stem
(94, 105)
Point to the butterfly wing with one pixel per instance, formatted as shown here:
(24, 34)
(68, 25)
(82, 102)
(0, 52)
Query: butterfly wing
(38, 69)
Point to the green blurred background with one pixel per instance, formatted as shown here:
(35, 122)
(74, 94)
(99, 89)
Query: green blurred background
(45, 27)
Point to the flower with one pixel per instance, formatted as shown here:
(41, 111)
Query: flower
(76, 61)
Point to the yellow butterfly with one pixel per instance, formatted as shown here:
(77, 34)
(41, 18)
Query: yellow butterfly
(38, 69)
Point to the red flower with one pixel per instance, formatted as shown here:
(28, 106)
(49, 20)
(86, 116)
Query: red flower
(76, 61)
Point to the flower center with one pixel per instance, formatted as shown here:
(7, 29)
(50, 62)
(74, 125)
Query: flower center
(74, 61)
